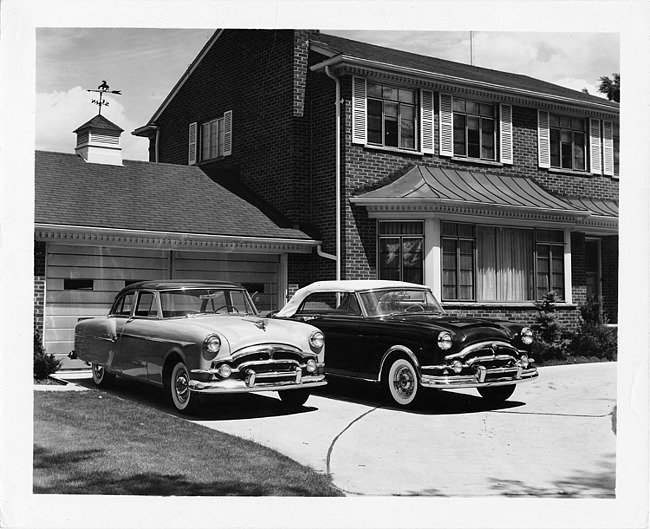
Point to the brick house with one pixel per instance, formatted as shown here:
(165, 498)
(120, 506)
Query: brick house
(490, 187)
(102, 223)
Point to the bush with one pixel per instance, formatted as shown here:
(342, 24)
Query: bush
(594, 338)
(44, 364)
(551, 337)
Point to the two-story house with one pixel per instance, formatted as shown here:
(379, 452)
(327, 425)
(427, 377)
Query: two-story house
(490, 187)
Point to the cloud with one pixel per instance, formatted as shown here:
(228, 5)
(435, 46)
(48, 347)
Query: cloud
(59, 114)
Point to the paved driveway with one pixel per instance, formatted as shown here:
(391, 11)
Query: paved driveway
(554, 438)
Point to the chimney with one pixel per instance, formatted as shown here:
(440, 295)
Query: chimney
(98, 141)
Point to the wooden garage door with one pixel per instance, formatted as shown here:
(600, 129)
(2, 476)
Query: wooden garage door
(83, 280)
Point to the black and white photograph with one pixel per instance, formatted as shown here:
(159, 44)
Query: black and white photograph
(324, 264)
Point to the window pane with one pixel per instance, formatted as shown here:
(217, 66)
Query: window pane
(389, 258)
(554, 120)
(486, 263)
(577, 124)
(374, 90)
(459, 105)
(375, 121)
(487, 110)
(579, 150)
(472, 108)
(459, 135)
(407, 96)
(449, 268)
(449, 228)
(567, 155)
(473, 138)
(487, 139)
(412, 260)
(555, 148)
(407, 127)
(205, 141)
(515, 258)
(214, 136)
(390, 93)
(465, 230)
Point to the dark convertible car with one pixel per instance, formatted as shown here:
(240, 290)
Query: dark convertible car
(398, 334)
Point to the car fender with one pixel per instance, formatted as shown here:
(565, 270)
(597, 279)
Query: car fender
(402, 349)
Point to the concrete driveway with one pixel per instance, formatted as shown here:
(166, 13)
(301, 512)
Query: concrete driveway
(553, 438)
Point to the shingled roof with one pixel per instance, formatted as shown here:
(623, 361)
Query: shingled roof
(388, 56)
(144, 196)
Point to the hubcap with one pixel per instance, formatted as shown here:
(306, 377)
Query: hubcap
(99, 372)
(181, 386)
(404, 382)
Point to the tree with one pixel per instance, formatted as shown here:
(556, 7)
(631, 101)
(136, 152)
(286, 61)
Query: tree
(611, 87)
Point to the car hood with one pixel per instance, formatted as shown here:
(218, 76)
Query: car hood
(466, 329)
(243, 331)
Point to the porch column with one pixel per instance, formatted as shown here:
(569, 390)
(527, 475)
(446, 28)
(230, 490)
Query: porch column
(432, 256)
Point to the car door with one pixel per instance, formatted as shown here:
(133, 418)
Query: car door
(134, 339)
(337, 315)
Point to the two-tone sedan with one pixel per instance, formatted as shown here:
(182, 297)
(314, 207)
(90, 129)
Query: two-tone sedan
(397, 334)
(200, 337)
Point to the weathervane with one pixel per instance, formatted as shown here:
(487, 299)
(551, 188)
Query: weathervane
(101, 90)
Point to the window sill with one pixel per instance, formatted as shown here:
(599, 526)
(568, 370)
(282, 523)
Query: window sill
(395, 150)
(556, 170)
(477, 161)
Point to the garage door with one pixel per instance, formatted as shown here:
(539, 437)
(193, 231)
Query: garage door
(82, 281)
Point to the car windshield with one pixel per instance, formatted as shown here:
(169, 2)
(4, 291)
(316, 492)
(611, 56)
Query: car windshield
(400, 301)
(195, 301)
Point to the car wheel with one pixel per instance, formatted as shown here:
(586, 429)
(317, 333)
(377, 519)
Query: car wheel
(402, 382)
(179, 389)
(294, 398)
(101, 377)
(497, 393)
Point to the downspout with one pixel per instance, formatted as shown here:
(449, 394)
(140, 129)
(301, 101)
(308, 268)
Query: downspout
(156, 145)
(338, 176)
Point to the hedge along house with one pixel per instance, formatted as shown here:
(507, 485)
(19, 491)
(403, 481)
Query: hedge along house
(490, 187)
(102, 222)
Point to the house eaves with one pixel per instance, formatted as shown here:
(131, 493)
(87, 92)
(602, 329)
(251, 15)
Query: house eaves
(346, 64)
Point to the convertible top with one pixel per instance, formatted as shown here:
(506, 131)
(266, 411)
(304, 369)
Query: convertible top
(346, 285)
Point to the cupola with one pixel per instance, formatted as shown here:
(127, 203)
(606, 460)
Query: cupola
(98, 141)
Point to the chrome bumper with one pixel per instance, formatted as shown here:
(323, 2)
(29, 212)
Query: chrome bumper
(256, 384)
(484, 377)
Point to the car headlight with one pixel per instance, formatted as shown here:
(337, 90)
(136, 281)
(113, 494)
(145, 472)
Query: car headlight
(444, 340)
(526, 336)
(457, 366)
(212, 344)
(317, 340)
(224, 371)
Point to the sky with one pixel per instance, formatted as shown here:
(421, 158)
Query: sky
(69, 61)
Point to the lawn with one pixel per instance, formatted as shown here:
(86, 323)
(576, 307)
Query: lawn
(95, 443)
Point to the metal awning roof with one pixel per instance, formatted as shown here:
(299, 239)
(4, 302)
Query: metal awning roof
(474, 193)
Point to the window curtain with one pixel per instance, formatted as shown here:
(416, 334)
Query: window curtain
(504, 264)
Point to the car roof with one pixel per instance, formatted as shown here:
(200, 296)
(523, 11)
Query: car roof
(344, 285)
(171, 284)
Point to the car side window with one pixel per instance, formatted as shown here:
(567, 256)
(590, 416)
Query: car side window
(349, 304)
(123, 306)
(147, 305)
(342, 303)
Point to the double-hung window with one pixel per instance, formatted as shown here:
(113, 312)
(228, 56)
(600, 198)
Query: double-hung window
(212, 139)
(391, 116)
(400, 251)
(474, 129)
(568, 142)
(502, 264)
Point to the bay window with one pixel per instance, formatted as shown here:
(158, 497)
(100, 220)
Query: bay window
(503, 264)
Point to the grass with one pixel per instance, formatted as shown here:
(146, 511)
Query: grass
(95, 443)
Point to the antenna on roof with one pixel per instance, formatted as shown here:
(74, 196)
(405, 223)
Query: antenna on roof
(471, 48)
(101, 90)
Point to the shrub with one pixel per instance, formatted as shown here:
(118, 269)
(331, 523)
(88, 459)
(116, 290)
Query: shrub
(594, 338)
(551, 337)
(44, 364)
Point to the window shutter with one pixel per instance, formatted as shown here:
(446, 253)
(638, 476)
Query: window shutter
(608, 148)
(594, 145)
(446, 125)
(191, 155)
(426, 109)
(227, 133)
(506, 134)
(359, 110)
(543, 139)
